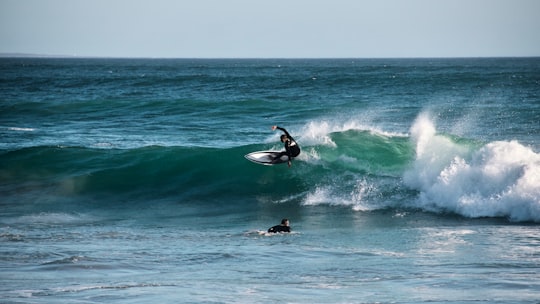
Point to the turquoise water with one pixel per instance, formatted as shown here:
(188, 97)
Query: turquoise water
(124, 181)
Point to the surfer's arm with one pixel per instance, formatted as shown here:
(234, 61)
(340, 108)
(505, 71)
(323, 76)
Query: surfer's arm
(282, 129)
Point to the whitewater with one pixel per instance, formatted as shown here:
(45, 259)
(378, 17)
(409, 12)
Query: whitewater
(495, 179)
(124, 180)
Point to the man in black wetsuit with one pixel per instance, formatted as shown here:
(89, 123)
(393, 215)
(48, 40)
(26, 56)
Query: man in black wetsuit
(283, 227)
(292, 149)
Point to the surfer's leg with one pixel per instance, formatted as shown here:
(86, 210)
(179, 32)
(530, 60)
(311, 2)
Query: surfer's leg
(278, 156)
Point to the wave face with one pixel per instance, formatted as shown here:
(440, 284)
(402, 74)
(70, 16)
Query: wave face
(342, 165)
(198, 173)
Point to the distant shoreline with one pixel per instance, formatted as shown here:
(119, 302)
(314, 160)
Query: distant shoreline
(27, 55)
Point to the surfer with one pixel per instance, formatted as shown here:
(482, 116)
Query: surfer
(292, 149)
(283, 227)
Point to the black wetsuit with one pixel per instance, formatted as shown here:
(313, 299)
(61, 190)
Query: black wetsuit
(292, 149)
(279, 228)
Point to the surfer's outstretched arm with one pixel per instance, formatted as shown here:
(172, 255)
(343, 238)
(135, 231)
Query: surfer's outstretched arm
(282, 129)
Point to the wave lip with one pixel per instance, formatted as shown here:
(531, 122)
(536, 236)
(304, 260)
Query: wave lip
(500, 179)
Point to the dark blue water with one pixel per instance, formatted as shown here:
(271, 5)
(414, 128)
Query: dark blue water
(123, 180)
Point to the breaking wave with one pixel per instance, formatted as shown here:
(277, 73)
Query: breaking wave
(497, 179)
(345, 165)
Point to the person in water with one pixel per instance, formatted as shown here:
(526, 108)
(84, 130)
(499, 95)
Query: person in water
(283, 227)
(292, 149)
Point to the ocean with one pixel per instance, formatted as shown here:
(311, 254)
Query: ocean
(124, 180)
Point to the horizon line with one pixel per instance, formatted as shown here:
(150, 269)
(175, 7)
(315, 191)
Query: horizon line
(33, 55)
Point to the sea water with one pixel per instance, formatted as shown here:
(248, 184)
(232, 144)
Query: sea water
(124, 181)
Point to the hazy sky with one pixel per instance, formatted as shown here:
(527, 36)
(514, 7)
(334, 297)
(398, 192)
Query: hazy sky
(271, 28)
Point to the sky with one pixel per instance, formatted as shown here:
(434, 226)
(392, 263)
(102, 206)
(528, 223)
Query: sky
(271, 28)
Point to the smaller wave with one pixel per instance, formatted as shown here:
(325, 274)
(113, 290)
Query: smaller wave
(20, 129)
(262, 233)
(84, 288)
(69, 260)
(76, 263)
(31, 293)
(11, 237)
(47, 218)
(498, 179)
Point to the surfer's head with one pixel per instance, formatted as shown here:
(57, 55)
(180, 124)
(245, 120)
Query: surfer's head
(285, 222)
(283, 138)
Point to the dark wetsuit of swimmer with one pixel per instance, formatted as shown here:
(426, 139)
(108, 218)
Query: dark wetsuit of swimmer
(292, 149)
(279, 228)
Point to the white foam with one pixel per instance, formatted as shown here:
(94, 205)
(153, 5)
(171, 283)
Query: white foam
(501, 179)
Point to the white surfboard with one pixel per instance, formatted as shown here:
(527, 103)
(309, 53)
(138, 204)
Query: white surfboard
(267, 158)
